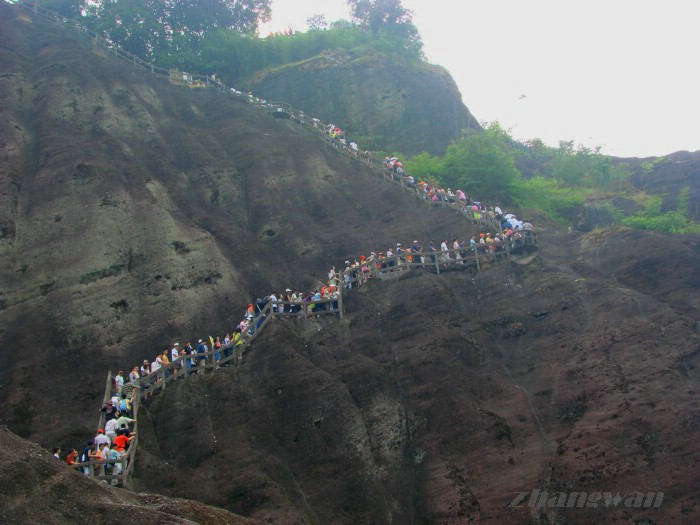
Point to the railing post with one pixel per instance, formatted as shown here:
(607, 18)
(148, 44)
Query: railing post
(340, 301)
(476, 257)
(105, 398)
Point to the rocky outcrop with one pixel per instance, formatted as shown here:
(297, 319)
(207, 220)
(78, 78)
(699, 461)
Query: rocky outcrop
(135, 213)
(37, 488)
(403, 106)
(438, 399)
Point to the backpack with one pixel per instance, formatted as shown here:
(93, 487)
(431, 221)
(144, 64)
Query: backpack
(122, 406)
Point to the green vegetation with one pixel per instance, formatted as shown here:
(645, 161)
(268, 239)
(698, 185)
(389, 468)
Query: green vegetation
(652, 218)
(556, 182)
(220, 36)
(549, 196)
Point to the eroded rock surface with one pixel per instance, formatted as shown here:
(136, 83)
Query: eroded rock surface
(134, 213)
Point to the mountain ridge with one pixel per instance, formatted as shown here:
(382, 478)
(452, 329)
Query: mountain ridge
(433, 401)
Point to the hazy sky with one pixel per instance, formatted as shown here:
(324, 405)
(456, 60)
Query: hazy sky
(621, 74)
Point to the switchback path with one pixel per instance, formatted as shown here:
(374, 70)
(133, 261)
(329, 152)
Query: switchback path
(465, 259)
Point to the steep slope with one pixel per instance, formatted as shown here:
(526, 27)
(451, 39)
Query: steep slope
(439, 398)
(408, 107)
(134, 211)
(36, 488)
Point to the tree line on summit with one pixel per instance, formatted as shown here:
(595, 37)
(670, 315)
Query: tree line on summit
(221, 33)
(219, 38)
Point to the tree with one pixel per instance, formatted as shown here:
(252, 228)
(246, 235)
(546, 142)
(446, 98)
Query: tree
(67, 8)
(317, 22)
(389, 20)
(424, 166)
(482, 164)
(161, 28)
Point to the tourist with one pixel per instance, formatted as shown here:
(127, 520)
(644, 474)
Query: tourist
(109, 410)
(114, 456)
(86, 455)
(111, 428)
(101, 438)
(123, 421)
(134, 377)
(119, 381)
(72, 457)
(122, 441)
(445, 251)
(99, 456)
(155, 365)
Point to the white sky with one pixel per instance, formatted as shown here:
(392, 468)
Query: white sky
(621, 74)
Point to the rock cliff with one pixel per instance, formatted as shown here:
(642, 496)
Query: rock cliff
(134, 213)
(412, 107)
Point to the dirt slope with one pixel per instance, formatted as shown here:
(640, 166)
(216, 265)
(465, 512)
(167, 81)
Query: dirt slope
(36, 488)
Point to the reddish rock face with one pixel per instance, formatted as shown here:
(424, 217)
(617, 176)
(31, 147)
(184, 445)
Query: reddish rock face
(439, 399)
(135, 213)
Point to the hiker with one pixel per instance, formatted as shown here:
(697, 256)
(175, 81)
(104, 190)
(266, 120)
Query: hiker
(227, 347)
(119, 381)
(122, 440)
(155, 366)
(124, 406)
(101, 438)
(432, 250)
(389, 258)
(202, 349)
(164, 362)
(114, 456)
(217, 349)
(189, 353)
(72, 457)
(134, 377)
(86, 455)
(98, 456)
(111, 428)
(444, 250)
(456, 247)
(109, 410)
(123, 422)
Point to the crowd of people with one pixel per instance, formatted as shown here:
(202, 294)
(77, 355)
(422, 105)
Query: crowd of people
(106, 454)
(103, 455)
(475, 209)
(214, 351)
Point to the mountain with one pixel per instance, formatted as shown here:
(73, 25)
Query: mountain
(136, 213)
(134, 209)
(403, 105)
